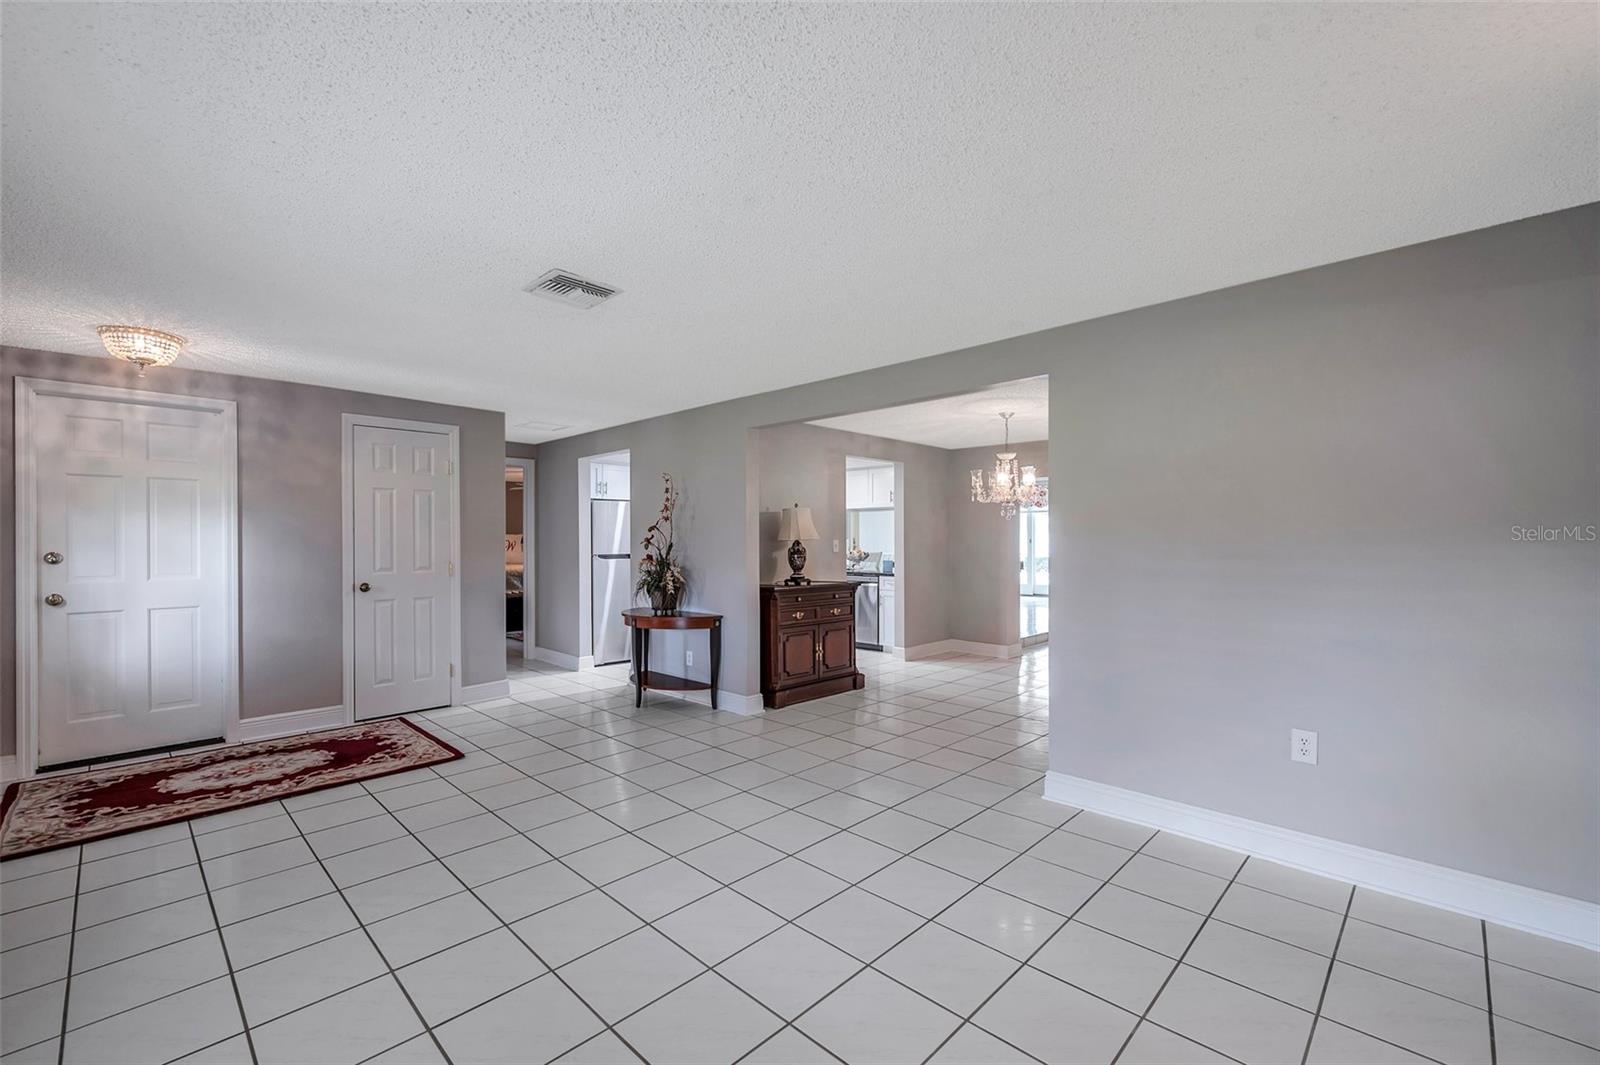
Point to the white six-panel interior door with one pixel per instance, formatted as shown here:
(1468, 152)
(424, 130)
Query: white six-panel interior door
(126, 522)
(402, 515)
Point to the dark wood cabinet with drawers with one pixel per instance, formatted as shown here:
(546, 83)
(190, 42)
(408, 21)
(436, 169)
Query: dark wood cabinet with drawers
(808, 642)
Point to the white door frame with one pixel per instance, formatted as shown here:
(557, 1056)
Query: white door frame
(348, 423)
(28, 391)
(529, 547)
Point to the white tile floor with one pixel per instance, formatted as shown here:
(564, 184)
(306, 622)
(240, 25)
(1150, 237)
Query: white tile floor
(1034, 615)
(870, 878)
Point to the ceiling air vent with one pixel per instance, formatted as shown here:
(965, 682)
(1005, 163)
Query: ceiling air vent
(574, 291)
(536, 426)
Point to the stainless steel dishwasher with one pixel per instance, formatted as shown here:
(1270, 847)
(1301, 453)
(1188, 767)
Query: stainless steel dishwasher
(867, 631)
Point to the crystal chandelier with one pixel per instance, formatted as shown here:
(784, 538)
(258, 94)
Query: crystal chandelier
(1009, 485)
(140, 346)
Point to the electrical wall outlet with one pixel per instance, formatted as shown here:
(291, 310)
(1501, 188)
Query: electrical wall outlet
(688, 658)
(1302, 746)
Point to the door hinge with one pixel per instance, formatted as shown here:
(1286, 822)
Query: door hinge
(452, 566)
(450, 467)
(452, 669)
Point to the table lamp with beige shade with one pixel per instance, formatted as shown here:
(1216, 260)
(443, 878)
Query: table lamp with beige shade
(795, 526)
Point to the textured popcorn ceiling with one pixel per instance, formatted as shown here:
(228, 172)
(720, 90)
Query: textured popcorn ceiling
(969, 420)
(355, 195)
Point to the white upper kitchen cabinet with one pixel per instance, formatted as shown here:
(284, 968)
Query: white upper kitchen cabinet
(865, 489)
(857, 489)
(881, 481)
(608, 480)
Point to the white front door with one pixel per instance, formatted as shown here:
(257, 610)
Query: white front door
(402, 568)
(133, 576)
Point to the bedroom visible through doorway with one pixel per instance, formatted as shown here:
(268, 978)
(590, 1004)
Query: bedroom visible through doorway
(519, 540)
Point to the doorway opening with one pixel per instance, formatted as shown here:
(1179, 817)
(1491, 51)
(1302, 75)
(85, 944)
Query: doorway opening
(520, 635)
(605, 541)
(1033, 545)
(872, 496)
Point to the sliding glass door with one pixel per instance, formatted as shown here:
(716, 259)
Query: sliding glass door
(1033, 533)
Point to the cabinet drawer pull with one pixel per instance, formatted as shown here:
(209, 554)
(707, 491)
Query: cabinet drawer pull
(799, 615)
(837, 610)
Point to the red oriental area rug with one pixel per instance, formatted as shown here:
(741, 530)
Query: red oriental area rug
(39, 815)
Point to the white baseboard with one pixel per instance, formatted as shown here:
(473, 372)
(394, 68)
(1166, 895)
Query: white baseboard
(965, 647)
(482, 693)
(727, 702)
(1530, 909)
(732, 702)
(271, 726)
(562, 659)
(8, 767)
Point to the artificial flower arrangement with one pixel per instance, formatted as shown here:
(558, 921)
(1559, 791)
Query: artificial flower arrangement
(661, 577)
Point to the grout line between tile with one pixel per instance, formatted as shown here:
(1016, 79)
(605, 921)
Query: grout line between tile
(1192, 940)
(1035, 952)
(1488, 992)
(227, 959)
(390, 970)
(1327, 976)
(66, 992)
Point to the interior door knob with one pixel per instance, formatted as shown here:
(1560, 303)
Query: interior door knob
(363, 587)
(54, 599)
(52, 558)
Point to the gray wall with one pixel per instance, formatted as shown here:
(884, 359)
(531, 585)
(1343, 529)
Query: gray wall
(1283, 504)
(1291, 505)
(291, 583)
(805, 463)
(706, 455)
(958, 579)
(984, 561)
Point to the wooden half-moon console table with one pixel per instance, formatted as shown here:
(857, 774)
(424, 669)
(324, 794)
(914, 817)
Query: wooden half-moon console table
(643, 621)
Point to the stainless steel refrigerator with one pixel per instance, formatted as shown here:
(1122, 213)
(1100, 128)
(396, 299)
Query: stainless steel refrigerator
(612, 591)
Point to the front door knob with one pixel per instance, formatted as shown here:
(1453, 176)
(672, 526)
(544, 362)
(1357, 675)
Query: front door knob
(52, 558)
(54, 600)
(363, 587)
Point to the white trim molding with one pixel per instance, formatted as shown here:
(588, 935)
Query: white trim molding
(1513, 905)
(530, 547)
(28, 391)
(560, 659)
(482, 693)
(962, 647)
(8, 767)
(727, 702)
(294, 722)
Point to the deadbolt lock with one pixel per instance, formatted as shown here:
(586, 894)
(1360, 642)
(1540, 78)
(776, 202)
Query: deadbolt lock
(52, 558)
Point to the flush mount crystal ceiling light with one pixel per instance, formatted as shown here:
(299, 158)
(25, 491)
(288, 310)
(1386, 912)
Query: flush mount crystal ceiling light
(1009, 485)
(140, 346)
